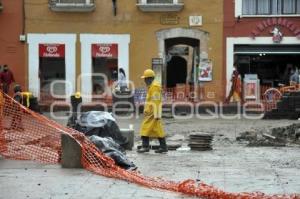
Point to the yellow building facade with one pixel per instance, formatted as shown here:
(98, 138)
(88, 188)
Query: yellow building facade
(182, 39)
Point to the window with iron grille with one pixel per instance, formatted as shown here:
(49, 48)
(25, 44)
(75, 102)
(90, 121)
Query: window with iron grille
(270, 7)
(73, 1)
(159, 1)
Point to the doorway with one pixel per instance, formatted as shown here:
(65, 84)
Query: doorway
(271, 69)
(273, 64)
(180, 61)
(104, 67)
(108, 68)
(176, 71)
(52, 71)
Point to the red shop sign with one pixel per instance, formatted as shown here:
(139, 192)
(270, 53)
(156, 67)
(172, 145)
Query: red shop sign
(276, 23)
(105, 50)
(52, 50)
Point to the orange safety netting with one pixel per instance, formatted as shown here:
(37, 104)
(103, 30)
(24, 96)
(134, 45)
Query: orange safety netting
(26, 135)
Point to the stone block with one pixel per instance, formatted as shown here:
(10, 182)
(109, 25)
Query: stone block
(71, 152)
(129, 134)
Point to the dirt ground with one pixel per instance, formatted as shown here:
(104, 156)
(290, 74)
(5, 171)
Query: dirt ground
(230, 166)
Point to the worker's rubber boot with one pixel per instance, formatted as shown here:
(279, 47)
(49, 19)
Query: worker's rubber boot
(162, 146)
(145, 145)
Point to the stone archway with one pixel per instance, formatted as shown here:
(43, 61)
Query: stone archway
(165, 34)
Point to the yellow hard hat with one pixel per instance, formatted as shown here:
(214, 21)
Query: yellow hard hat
(77, 95)
(148, 73)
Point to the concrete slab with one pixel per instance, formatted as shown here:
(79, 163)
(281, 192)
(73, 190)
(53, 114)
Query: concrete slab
(23, 179)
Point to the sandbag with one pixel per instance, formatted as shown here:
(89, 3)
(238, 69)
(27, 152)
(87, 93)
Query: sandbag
(113, 150)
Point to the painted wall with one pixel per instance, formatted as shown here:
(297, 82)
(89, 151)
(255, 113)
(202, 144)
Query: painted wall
(235, 27)
(141, 27)
(245, 27)
(11, 49)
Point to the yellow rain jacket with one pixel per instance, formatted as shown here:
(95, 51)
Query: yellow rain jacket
(152, 125)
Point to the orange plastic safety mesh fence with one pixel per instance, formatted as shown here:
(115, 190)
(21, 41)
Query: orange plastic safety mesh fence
(26, 135)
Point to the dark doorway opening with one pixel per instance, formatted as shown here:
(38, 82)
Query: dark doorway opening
(108, 68)
(176, 71)
(52, 69)
(180, 61)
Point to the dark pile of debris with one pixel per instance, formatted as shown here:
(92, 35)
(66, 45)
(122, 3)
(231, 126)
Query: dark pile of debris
(200, 141)
(102, 130)
(278, 137)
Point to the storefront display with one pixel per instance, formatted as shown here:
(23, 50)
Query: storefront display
(251, 87)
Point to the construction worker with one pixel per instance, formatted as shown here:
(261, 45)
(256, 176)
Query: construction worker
(76, 101)
(152, 125)
(7, 78)
(16, 123)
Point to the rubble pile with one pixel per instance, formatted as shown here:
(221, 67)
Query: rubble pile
(278, 137)
(200, 141)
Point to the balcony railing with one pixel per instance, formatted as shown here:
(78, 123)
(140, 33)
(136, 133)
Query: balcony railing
(72, 5)
(160, 5)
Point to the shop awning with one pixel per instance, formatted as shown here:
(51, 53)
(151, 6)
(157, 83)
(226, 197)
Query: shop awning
(267, 49)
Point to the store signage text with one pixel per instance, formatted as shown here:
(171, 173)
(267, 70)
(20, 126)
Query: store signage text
(105, 50)
(52, 50)
(271, 22)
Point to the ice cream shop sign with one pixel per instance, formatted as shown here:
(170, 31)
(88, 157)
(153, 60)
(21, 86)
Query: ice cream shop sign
(52, 50)
(105, 50)
(273, 25)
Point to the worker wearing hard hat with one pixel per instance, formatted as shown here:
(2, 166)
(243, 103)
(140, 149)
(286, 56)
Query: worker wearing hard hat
(76, 102)
(152, 125)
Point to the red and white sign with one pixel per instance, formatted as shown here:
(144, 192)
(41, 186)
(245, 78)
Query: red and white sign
(105, 50)
(52, 50)
(276, 22)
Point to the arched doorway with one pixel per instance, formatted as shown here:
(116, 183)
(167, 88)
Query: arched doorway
(182, 56)
(176, 71)
(195, 40)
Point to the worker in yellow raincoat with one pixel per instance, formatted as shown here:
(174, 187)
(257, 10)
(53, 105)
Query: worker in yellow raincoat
(152, 126)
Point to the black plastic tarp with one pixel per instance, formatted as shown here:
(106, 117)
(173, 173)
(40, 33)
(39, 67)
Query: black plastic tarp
(109, 147)
(101, 124)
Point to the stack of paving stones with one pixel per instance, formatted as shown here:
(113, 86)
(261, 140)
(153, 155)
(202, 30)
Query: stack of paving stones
(171, 146)
(288, 107)
(200, 141)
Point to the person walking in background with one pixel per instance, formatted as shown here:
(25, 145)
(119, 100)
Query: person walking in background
(6, 78)
(294, 78)
(152, 126)
(235, 93)
(122, 83)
